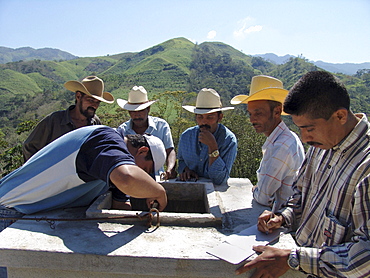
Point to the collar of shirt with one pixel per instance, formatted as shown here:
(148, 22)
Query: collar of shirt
(352, 138)
(279, 129)
(151, 125)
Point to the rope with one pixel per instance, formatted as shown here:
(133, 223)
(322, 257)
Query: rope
(52, 221)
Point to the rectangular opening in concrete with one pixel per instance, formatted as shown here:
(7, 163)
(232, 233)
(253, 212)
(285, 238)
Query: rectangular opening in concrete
(188, 203)
(181, 198)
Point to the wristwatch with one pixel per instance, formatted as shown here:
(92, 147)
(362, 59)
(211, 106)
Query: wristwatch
(293, 260)
(214, 153)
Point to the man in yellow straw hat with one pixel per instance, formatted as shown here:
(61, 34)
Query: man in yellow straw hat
(283, 152)
(330, 209)
(209, 148)
(88, 95)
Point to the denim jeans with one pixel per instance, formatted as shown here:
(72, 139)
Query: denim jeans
(8, 212)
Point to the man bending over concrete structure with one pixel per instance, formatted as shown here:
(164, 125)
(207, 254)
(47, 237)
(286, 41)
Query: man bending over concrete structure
(76, 168)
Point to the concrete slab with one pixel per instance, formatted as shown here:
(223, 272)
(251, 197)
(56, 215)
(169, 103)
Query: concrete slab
(108, 249)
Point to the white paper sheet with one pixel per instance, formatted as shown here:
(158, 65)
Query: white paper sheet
(239, 247)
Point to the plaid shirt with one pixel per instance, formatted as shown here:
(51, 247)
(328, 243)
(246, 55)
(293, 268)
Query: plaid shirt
(331, 207)
(283, 154)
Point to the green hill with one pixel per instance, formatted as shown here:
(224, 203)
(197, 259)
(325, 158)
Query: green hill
(28, 53)
(174, 65)
(172, 71)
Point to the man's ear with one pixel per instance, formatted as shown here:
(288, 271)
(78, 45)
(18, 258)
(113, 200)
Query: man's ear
(143, 150)
(278, 110)
(220, 116)
(342, 115)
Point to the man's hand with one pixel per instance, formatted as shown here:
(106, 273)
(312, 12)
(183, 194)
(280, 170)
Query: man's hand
(271, 263)
(162, 202)
(269, 221)
(188, 174)
(206, 137)
(169, 174)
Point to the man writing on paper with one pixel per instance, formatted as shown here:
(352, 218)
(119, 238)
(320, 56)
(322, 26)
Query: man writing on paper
(330, 209)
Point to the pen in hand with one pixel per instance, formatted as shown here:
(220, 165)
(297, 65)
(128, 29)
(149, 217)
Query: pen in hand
(272, 215)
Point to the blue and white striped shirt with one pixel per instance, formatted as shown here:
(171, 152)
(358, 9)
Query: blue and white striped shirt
(70, 171)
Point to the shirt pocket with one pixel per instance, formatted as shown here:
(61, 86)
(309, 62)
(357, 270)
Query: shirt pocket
(334, 232)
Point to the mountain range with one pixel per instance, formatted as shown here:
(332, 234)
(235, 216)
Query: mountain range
(346, 68)
(8, 55)
(50, 54)
(32, 88)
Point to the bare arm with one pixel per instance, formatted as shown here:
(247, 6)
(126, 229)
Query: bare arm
(171, 164)
(135, 182)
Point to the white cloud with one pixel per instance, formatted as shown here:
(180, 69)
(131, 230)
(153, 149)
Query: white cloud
(192, 40)
(246, 29)
(211, 34)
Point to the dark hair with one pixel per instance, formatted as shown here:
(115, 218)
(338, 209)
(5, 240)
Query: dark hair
(137, 141)
(273, 104)
(317, 94)
(82, 95)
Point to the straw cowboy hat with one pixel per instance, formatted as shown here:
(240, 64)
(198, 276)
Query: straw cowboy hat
(92, 86)
(208, 101)
(137, 100)
(263, 88)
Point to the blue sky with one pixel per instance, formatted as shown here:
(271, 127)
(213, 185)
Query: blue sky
(335, 31)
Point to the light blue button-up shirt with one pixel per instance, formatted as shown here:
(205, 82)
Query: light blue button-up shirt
(156, 126)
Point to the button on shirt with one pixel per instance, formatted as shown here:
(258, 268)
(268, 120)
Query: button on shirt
(331, 207)
(194, 154)
(283, 154)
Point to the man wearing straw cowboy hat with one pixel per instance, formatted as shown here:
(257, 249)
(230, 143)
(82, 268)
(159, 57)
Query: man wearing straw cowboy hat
(88, 95)
(138, 106)
(208, 149)
(283, 152)
(330, 209)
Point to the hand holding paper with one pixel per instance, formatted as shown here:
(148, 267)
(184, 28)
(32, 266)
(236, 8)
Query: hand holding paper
(238, 247)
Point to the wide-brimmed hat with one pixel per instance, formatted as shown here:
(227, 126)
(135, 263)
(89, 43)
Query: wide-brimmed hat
(158, 151)
(208, 101)
(92, 86)
(263, 88)
(137, 100)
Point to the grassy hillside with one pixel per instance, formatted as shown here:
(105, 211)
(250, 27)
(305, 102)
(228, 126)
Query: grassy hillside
(174, 65)
(173, 72)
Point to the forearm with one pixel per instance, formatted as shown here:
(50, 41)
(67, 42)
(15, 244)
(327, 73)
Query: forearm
(218, 172)
(171, 159)
(133, 181)
(350, 260)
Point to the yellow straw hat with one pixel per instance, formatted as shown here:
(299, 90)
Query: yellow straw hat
(263, 88)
